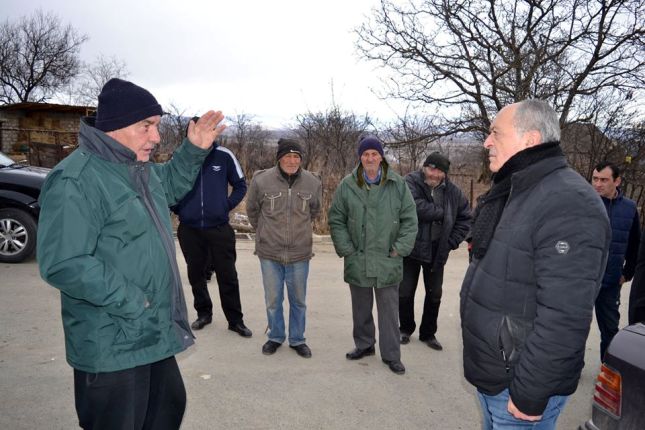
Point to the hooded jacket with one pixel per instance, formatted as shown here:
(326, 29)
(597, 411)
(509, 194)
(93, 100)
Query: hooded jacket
(368, 223)
(105, 241)
(527, 304)
(454, 217)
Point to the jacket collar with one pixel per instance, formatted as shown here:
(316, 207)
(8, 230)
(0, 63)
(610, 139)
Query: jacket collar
(619, 196)
(93, 140)
(534, 173)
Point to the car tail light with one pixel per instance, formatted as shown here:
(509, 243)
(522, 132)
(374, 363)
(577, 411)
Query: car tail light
(607, 394)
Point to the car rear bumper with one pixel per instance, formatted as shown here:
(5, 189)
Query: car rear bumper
(589, 425)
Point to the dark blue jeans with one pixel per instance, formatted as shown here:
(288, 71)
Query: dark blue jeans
(607, 315)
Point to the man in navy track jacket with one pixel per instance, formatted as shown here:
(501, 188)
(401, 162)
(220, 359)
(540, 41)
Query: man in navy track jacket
(208, 240)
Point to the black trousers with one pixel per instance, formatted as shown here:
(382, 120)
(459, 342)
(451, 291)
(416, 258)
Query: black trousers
(607, 315)
(151, 396)
(212, 247)
(433, 282)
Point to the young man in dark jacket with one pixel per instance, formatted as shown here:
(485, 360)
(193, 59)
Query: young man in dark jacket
(621, 263)
(637, 291)
(540, 243)
(208, 240)
(105, 241)
(444, 220)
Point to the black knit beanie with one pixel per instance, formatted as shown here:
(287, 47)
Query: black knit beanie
(370, 142)
(437, 161)
(288, 146)
(122, 103)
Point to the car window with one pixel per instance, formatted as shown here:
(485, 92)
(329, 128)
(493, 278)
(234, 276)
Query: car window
(5, 161)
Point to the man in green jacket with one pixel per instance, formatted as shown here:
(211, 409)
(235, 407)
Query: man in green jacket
(105, 241)
(373, 224)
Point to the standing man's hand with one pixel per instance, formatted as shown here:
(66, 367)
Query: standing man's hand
(622, 280)
(512, 409)
(206, 129)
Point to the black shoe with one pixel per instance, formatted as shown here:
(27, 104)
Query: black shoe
(240, 329)
(200, 322)
(357, 354)
(302, 350)
(434, 343)
(395, 366)
(405, 338)
(270, 347)
(209, 275)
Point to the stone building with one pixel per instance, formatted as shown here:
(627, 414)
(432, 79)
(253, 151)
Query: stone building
(41, 133)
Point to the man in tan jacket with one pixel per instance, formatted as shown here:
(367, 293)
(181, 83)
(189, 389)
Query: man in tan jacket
(281, 204)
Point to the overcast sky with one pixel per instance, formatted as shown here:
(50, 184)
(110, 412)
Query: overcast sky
(273, 59)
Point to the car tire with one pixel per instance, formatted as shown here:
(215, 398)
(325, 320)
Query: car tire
(17, 235)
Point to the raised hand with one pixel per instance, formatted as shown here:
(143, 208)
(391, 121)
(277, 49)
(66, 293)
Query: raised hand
(209, 126)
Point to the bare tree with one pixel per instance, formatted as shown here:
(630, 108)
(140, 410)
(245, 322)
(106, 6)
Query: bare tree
(469, 58)
(249, 141)
(38, 56)
(85, 88)
(330, 137)
(172, 130)
(409, 138)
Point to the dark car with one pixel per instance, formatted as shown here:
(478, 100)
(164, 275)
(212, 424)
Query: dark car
(19, 190)
(619, 395)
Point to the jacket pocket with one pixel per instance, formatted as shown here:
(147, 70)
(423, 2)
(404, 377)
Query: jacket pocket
(511, 335)
(303, 201)
(271, 201)
(391, 271)
(137, 333)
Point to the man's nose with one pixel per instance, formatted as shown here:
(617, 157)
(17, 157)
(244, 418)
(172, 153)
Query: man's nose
(155, 137)
(487, 142)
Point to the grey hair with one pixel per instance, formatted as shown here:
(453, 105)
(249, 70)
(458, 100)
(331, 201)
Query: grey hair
(537, 115)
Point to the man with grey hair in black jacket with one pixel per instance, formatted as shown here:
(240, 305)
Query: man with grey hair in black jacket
(540, 240)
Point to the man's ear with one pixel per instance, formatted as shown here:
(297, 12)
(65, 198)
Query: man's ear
(618, 181)
(532, 138)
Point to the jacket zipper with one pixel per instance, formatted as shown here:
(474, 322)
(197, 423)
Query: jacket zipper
(288, 241)
(505, 358)
(201, 195)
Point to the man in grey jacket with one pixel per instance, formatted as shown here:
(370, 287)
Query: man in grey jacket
(540, 240)
(281, 204)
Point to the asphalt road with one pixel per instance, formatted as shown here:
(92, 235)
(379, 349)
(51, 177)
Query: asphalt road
(231, 385)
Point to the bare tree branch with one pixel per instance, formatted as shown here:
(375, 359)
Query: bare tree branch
(469, 58)
(38, 56)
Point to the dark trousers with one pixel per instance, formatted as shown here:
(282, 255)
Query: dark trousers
(607, 315)
(364, 331)
(433, 282)
(151, 396)
(212, 247)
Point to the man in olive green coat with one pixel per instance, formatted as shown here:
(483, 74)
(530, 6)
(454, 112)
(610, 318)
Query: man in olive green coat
(373, 224)
(105, 241)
